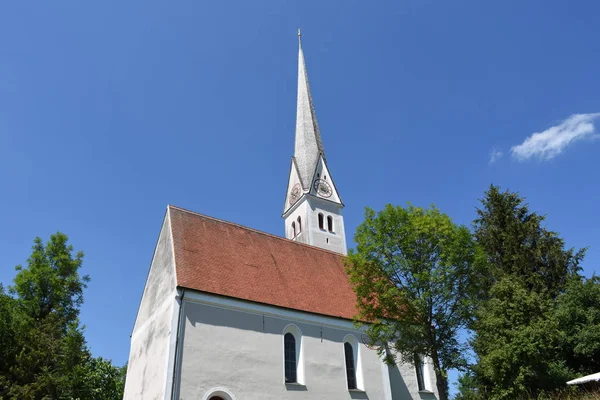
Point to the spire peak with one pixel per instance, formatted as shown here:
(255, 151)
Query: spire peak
(308, 147)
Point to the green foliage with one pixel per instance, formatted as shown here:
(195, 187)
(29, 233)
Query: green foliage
(516, 244)
(519, 339)
(101, 380)
(518, 343)
(578, 314)
(413, 274)
(43, 349)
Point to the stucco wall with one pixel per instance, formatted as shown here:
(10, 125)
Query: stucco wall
(299, 211)
(151, 338)
(243, 352)
(335, 241)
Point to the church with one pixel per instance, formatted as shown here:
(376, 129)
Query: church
(232, 313)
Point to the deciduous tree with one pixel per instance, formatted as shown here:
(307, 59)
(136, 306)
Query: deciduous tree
(412, 271)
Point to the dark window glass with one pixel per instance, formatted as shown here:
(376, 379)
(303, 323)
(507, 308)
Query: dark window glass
(419, 368)
(299, 225)
(321, 221)
(330, 223)
(350, 370)
(289, 344)
(293, 229)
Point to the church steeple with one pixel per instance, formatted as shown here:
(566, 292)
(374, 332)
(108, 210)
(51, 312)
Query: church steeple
(308, 144)
(313, 207)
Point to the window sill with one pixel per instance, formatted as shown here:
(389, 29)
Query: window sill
(295, 386)
(425, 391)
(356, 391)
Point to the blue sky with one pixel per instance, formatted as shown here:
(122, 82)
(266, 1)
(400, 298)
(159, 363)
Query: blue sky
(111, 110)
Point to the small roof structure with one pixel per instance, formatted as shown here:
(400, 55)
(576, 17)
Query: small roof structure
(585, 379)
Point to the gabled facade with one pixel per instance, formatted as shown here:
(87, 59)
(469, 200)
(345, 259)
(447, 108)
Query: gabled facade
(231, 313)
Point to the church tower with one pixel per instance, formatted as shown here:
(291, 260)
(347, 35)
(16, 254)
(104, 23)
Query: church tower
(313, 206)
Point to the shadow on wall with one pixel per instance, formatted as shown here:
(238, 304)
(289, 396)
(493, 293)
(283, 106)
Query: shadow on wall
(397, 384)
(208, 315)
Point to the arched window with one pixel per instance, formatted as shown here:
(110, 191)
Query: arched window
(330, 223)
(299, 225)
(350, 366)
(292, 355)
(218, 393)
(293, 229)
(321, 223)
(291, 372)
(420, 370)
(354, 376)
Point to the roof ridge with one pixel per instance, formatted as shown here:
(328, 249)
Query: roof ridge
(255, 230)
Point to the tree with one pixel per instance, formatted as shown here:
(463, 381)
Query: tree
(517, 336)
(413, 273)
(101, 380)
(515, 243)
(43, 349)
(578, 315)
(518, 343)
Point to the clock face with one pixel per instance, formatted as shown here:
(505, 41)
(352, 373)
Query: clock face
(322, 187)
(295, 193)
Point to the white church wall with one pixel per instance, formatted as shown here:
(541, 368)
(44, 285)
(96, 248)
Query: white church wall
(147, 368)
(238, 346)
(334, 241)
(299, 210)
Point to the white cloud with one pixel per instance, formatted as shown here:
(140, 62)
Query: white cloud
(551, 142)
(495, 155)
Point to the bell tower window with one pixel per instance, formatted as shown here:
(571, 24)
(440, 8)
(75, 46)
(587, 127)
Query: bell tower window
(293, 229)
(321, 221)
(330, 223)
(299, 225)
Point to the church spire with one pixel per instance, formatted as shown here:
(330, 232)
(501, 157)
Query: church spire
(308, 145)
(313, 208)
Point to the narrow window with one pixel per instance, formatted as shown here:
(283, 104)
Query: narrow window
(299, 225)
(289, 344)
(330, 223)
(419, 369)
(321, 223)
(350, 366)
(293, 229)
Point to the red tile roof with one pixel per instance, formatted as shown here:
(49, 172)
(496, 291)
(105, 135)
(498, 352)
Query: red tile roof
(223, 258)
